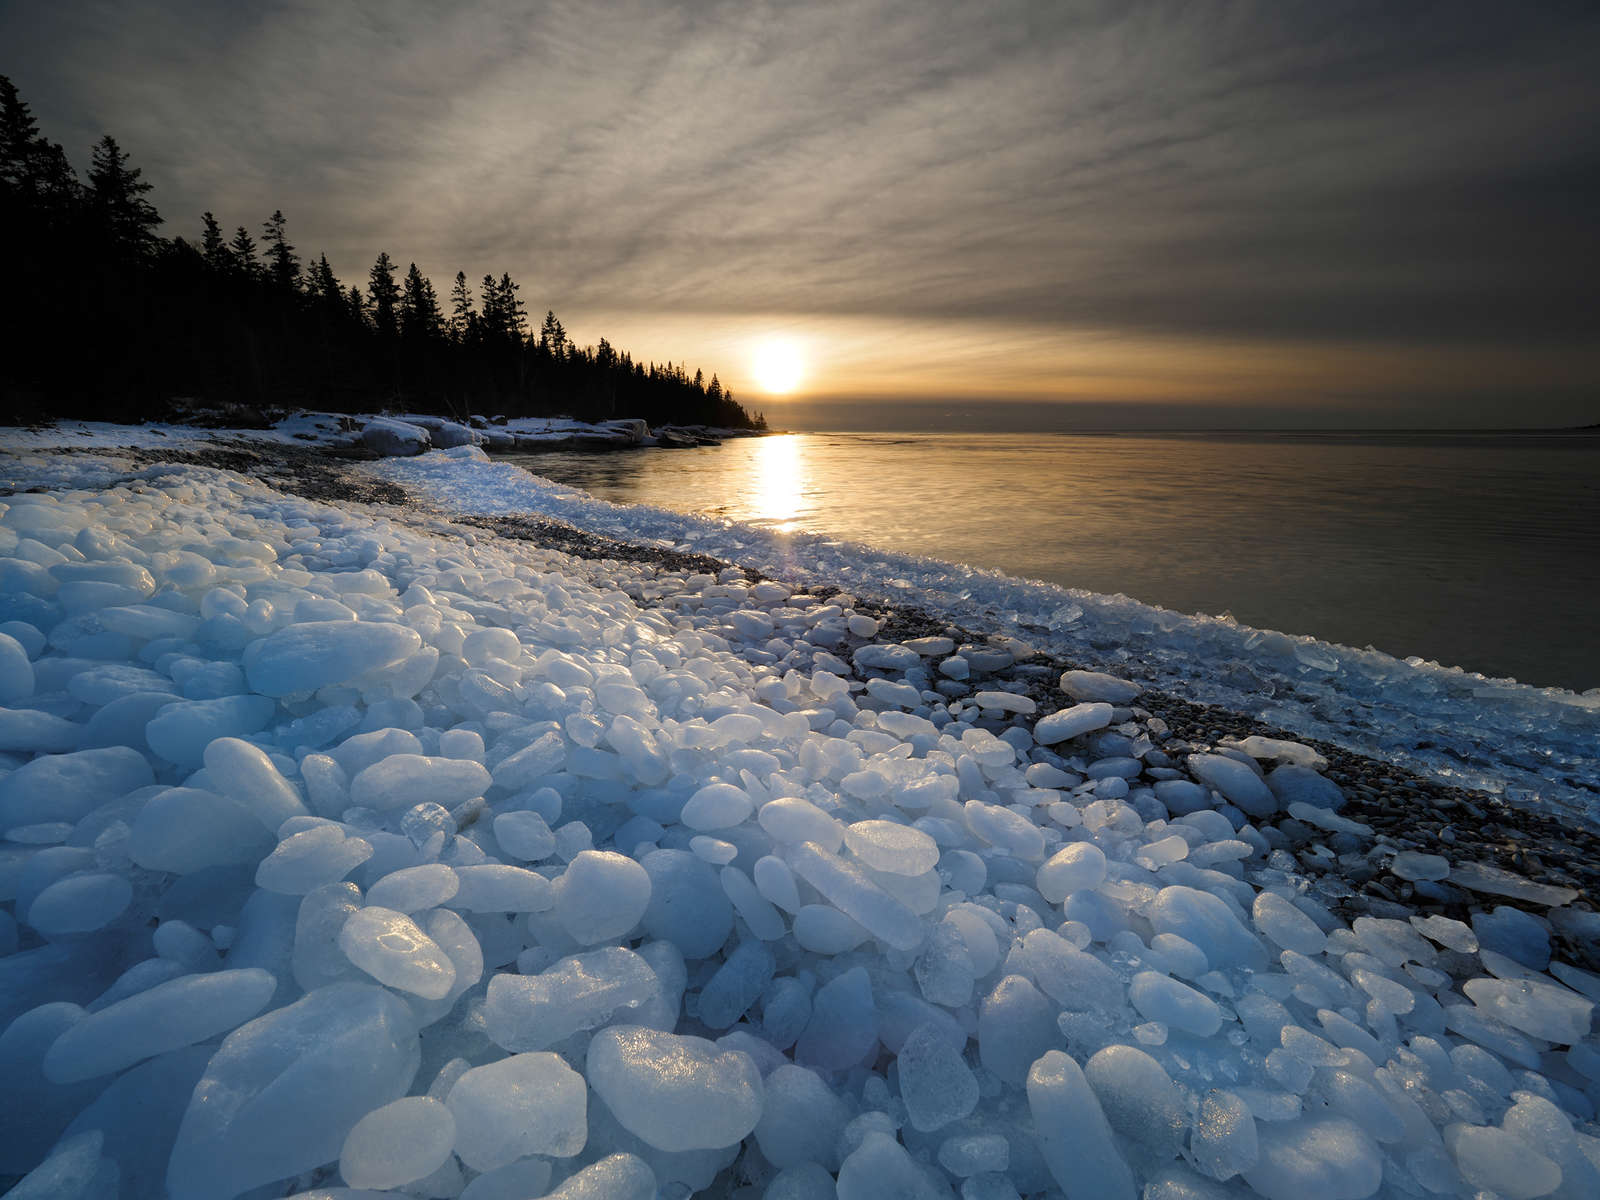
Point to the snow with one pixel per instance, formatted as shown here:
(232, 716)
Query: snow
(348, 847)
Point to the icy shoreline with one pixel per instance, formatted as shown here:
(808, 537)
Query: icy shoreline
(638, 875)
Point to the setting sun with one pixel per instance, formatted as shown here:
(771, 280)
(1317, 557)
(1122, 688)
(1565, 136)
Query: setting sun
(778, 366)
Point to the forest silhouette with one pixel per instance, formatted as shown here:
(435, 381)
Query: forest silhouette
(107, 320)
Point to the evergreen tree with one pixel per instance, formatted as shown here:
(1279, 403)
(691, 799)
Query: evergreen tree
(283, 265)
(243, 250)
(212, 248)
(34, 173)
(385, 296)
(714, 391)
(552, 337)
(461, 311)
(419, 306)
(516, 312)
(358, 306)
(116, 197)
(324, 284)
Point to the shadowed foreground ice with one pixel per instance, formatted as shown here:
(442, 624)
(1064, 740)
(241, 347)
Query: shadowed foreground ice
(345, 852)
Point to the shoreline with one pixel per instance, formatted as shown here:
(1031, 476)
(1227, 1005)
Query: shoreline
(1402, 807)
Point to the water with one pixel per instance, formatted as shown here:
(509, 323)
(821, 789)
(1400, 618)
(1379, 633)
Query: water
(1474, 550)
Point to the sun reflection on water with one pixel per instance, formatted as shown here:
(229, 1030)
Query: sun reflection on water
(778, 483)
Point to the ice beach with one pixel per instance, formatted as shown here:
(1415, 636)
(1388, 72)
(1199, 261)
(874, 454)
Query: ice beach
(358, 849)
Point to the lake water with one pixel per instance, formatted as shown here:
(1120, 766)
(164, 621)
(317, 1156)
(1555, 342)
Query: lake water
(1475, 550)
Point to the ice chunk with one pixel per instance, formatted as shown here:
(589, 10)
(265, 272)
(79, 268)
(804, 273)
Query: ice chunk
(1537, 1007)
(1520, 936)
(601, 896)
(1005, 829)
(687, 904)
(1097, 686)
(739, 981)
(792, 820)
(880, 1167)
(1016, 1024)
(79, 904)
(522, 1105)
(245, 773)
(1234, 780)
(822, 929)
(495, 887)
(515, 1181)
(717, 806)
(405, 1140)
(1452, 934)
(1325, 1157)
(524, 835)
(1176, 1005)
(1071, 722)
(1078, 867)
(16, 672)
(180, 1012)
(1496, 881)
(282, 1093)
(305, 657)
(1074, 1135)
(580, 992)
(857, 896)
(892, 847)
(388, 946)
(763, 919)
(1072, 978)
(801, 1119)
(844, 1023)
(1138, 1097)
(1301, 785)
(1286, 925)
(68, 787)
(935, 1082)
(182, 730)
(405, 780)
(412, 889)
(307, 860)
(1499, 1162)
(1224, 1141)
(619, 1177)
(32, 731)
(187, 829)
(676, 1093)
(1208, 922)
(1411, 864)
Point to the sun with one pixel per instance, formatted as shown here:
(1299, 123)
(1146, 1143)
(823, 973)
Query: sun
(778, 366)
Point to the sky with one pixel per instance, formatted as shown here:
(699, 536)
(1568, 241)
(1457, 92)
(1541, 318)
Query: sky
(1063, 214)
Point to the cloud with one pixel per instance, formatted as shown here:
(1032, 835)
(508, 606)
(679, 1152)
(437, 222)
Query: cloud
(1302, 172)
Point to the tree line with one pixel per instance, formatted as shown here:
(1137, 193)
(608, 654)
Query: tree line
(106, 319)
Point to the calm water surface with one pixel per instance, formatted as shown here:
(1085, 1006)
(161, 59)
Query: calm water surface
(1481, 551)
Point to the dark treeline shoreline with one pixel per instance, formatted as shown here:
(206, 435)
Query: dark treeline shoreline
(106, 320)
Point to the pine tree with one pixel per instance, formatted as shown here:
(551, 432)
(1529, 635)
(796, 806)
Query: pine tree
(715, 390)
(357, 304)
(552, 337)
(116, 197)
(325, 284)
(514, 313)
(243, 250)
(283, 265)
(212, 248)
(419, 306)
(385, 296)
(33, 171)
(461, 311)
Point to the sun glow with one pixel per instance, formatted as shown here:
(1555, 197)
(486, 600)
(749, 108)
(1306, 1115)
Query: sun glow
(778, 366)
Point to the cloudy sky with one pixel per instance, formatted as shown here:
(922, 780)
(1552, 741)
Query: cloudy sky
(1268, 213)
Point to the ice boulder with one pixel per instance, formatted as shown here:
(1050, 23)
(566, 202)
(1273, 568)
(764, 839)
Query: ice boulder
(617, 1177)
(1071, 722)
(244, 772)
(601, 896)
(1096, 686)
(67, 787)
(16, 672)
(1074, 1135)
(1326, 1157)
(394, 439)
(1236, 781)
(180, 1012)
(305, 657)
(405, 780)
(283, 1092)
(522, 1105)
(675, 1092)
(535, 1012)
(182, 730)
(388, 946)
(1293, 784)
(403, 1141)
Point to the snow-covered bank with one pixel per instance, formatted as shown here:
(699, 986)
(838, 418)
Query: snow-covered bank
(349, 847)
(1534, 745)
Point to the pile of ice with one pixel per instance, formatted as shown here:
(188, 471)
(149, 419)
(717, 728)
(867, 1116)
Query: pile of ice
(340, 852)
